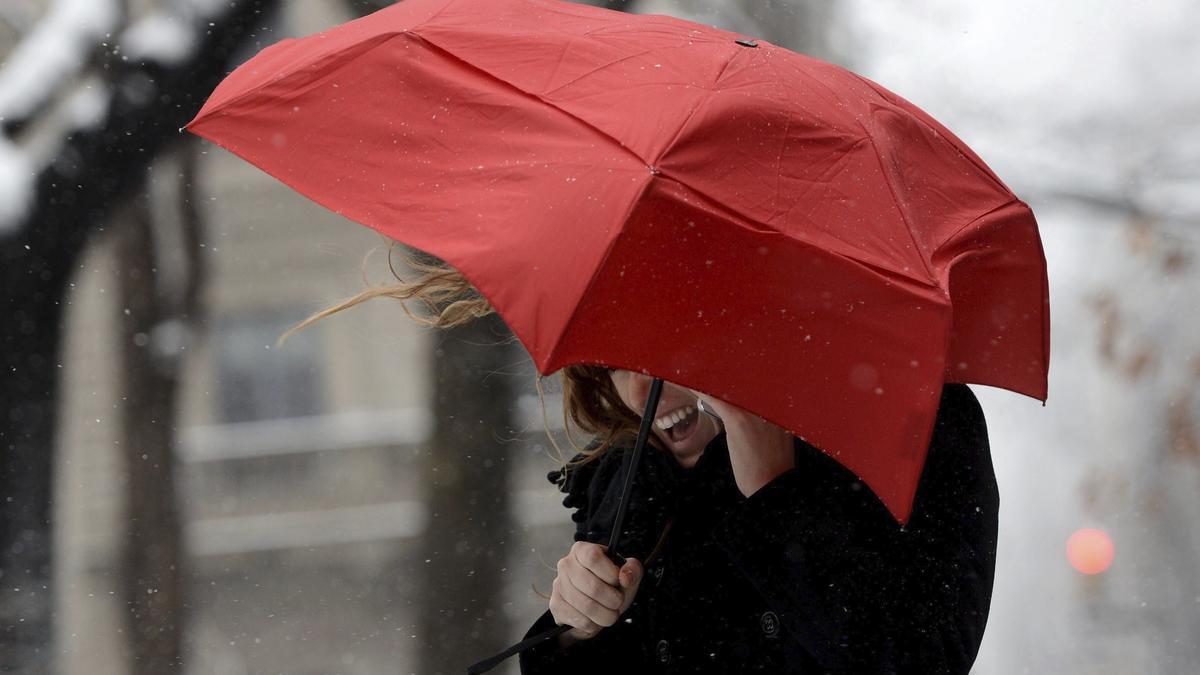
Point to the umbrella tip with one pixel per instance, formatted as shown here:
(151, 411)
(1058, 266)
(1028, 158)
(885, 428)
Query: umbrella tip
(746, 43)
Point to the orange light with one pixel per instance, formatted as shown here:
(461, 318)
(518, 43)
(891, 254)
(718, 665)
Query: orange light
(1090, 551)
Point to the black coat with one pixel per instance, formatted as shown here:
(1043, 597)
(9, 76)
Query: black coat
(811, 574)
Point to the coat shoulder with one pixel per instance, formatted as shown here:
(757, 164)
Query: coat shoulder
(960, 397)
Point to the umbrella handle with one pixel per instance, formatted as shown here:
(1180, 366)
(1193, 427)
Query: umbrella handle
(489, 663)
(631, 462)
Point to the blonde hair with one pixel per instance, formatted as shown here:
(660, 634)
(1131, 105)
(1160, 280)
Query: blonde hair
(449, 297)
(590, 401)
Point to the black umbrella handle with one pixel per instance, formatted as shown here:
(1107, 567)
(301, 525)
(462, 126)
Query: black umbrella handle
(491, 662)
(631, 462)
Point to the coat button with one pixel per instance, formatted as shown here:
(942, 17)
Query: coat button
(664, 651)
(769, 622)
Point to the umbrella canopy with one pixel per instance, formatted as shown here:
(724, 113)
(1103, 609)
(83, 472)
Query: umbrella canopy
(649, 193)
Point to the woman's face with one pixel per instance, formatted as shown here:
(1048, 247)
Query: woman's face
(688, 431)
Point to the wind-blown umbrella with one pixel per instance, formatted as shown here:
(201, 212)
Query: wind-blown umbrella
(648, 193)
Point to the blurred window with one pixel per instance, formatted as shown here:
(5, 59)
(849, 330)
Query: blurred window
(256, 381)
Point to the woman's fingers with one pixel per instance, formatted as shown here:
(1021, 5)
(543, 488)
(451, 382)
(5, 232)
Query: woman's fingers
(588, 583)
(566, 614)
(595, 611)
(594, 557)
(583, 596)
(631, 577)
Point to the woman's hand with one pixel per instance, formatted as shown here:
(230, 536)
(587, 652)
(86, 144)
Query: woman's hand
(758, 450)
(591, 592)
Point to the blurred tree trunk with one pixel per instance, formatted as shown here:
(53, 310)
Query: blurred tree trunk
(95, 169)
(466, 474)
(161, 309)
(151, 563)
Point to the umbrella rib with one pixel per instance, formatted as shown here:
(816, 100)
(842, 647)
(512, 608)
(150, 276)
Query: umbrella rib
(612, 244)
(972, 221)
(372, 44)
(641, 190)
(712, 89)
(883, 171)
(877, 269)
(449, 54)
(969, 156)
(886, 273)
(378, 40)
(610, 64)
(896, 201)
(883, 271)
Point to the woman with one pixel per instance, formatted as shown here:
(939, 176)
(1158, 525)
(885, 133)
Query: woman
(749, 550)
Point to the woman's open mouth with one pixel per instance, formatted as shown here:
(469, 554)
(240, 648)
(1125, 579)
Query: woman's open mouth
(679, 425)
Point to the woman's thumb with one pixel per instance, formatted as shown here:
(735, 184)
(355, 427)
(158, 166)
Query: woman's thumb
(631, 573)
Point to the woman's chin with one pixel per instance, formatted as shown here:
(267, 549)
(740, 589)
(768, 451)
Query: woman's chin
(688, 460)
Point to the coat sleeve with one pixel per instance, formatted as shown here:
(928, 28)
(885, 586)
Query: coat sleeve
(851, 587)
(615, 648)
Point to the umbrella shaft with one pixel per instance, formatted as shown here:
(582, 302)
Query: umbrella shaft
(633, 461)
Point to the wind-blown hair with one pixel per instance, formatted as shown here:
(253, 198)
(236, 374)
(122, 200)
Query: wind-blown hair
(590, 401)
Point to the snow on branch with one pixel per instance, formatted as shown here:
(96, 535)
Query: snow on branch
(53, 54)
(16, 185)
(170, 37)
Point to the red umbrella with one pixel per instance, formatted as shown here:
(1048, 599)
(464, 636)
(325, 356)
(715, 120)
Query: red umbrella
(649, 193)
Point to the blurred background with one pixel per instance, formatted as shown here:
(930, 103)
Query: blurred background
(179, 495)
